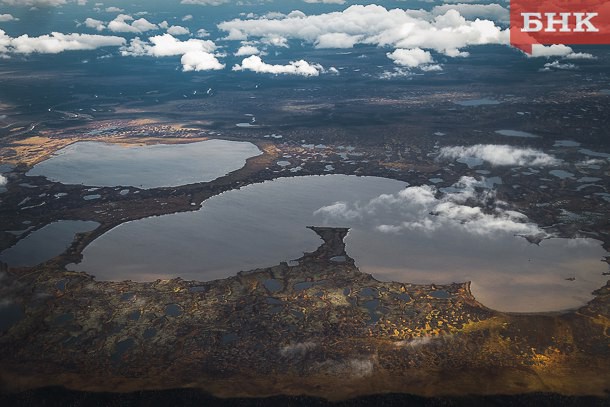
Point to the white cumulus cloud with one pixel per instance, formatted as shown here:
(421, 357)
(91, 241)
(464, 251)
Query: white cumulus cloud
(202, 33)
(325, 1)
(196, 54)
(35, 3)
(55, 43)
(374, 25)
(411, 58)
(492, 11)
(337, 40)
(339, 210)
(200, 61)
(556, 65)
(247, 50)
(7, 17)
(178, 30)
(580, 55)
(500, 155)
(126, 23)
(558, 50)
(166, 45)
(95, 24)
(255, 64)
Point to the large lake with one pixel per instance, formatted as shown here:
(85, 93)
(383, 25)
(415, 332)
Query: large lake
(417, 235)
(150, 166)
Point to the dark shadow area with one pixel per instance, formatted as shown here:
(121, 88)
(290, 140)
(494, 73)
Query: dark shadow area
(54, 396)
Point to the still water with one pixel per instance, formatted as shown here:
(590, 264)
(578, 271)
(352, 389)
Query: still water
(516, 133)
(393, 237)
(477, 102)
(151, 166)
(45, 243)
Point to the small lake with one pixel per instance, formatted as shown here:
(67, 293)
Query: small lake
(471, 162)
(516, 133)
(561, 174)
(151, 166)
(477, 102)
(398, 233)
(45, 243)
(592, 153)
(566, 143)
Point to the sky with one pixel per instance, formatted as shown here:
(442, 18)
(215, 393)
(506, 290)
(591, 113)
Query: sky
(266, 37)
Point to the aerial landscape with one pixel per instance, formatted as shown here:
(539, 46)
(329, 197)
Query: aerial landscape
(300, 202)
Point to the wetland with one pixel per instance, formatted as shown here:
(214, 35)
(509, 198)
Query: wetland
(148, 242)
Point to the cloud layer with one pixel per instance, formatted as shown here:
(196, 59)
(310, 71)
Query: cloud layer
(126, 24)
(196, 54)
(37, 3)
(303, 68)
(411, 36)
(493, 12)
(374, 25)
(500, 155)
(55, 43)
(166, 45)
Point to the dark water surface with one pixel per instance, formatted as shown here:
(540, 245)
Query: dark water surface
(161, 165)
(262, 224)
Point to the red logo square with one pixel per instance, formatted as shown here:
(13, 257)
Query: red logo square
(558, 22)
